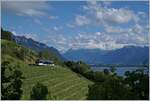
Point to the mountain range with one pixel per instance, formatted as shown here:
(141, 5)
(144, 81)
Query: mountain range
(128, 55)
(36, 46)
(133, 55)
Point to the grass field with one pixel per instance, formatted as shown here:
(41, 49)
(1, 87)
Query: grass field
(61, 82)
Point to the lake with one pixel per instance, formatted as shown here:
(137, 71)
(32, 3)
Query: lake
(120, 70)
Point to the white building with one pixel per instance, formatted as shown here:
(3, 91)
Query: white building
(44, 62)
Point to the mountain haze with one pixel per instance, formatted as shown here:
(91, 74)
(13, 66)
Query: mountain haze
(126, 55)
(36, 46)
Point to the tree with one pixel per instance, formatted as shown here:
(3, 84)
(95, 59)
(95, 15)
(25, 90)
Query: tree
(40, 55)
(112, 89)
(78, 67)
(139, 82)
(6, 35)
(106, 71)
(99, 76)
(39, 92)
(82, 68)
(113, 69)
(11, 82)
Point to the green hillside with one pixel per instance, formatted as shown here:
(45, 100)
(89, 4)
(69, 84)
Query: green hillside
(61, 82)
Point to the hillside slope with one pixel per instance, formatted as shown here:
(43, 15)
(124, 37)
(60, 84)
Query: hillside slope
(61, 82)
(36, 46)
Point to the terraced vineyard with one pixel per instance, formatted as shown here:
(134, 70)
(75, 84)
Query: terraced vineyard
(62, 83)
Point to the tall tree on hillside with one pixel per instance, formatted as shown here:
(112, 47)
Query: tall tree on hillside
(6, 35)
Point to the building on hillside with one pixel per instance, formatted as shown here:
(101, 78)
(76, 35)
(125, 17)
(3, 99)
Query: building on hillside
(44, 62)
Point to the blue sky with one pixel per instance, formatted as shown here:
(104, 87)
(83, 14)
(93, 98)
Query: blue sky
(79, 24)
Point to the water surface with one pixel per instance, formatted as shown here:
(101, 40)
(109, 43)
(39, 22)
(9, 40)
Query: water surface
(120, 70)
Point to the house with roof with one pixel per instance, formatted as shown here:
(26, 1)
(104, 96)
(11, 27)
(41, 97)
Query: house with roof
(42, 62)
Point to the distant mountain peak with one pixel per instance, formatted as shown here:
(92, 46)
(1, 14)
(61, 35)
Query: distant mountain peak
(35, 45)
(125, 55)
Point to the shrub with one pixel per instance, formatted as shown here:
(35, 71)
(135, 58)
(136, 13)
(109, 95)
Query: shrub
(11, 82)
(139, 82)
(39, 92)
(112, 89)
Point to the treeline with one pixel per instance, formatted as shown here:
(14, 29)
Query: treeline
(7, 35)
(121, 65)
(11, 85)
(109, 86)
(85, 70)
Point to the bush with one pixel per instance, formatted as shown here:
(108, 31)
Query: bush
(85, 70)
(99, 76)
(11, 82)
(39, 92)
(78, 67)
(106, 71)
(139, 82)
(112, 89)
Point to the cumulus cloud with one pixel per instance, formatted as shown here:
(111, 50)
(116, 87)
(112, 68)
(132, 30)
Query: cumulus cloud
(32, 36)
(27, 35)
(23, 8)
(81, 20)
(103, 14)
(110, 35)
(116, 30)
(14, 32)
(117, 16)
(93, 40)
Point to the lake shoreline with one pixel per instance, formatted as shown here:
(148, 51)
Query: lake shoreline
(121, 70)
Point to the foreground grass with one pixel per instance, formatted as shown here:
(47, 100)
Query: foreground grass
(61, 82)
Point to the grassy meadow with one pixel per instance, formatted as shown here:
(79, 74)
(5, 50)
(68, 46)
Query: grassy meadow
(62, 83)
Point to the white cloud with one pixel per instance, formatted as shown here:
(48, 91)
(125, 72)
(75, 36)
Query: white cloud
(117, 16)
(101, 14)
(92, 40)
(97, 39)
(116, 30)
(26, 8)
(56, 28)
(138, 29)
(81, 20)
(103, 17)
(32, 36)
(52, 17)
(14, 32)
(70, 25)
(98, 33)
